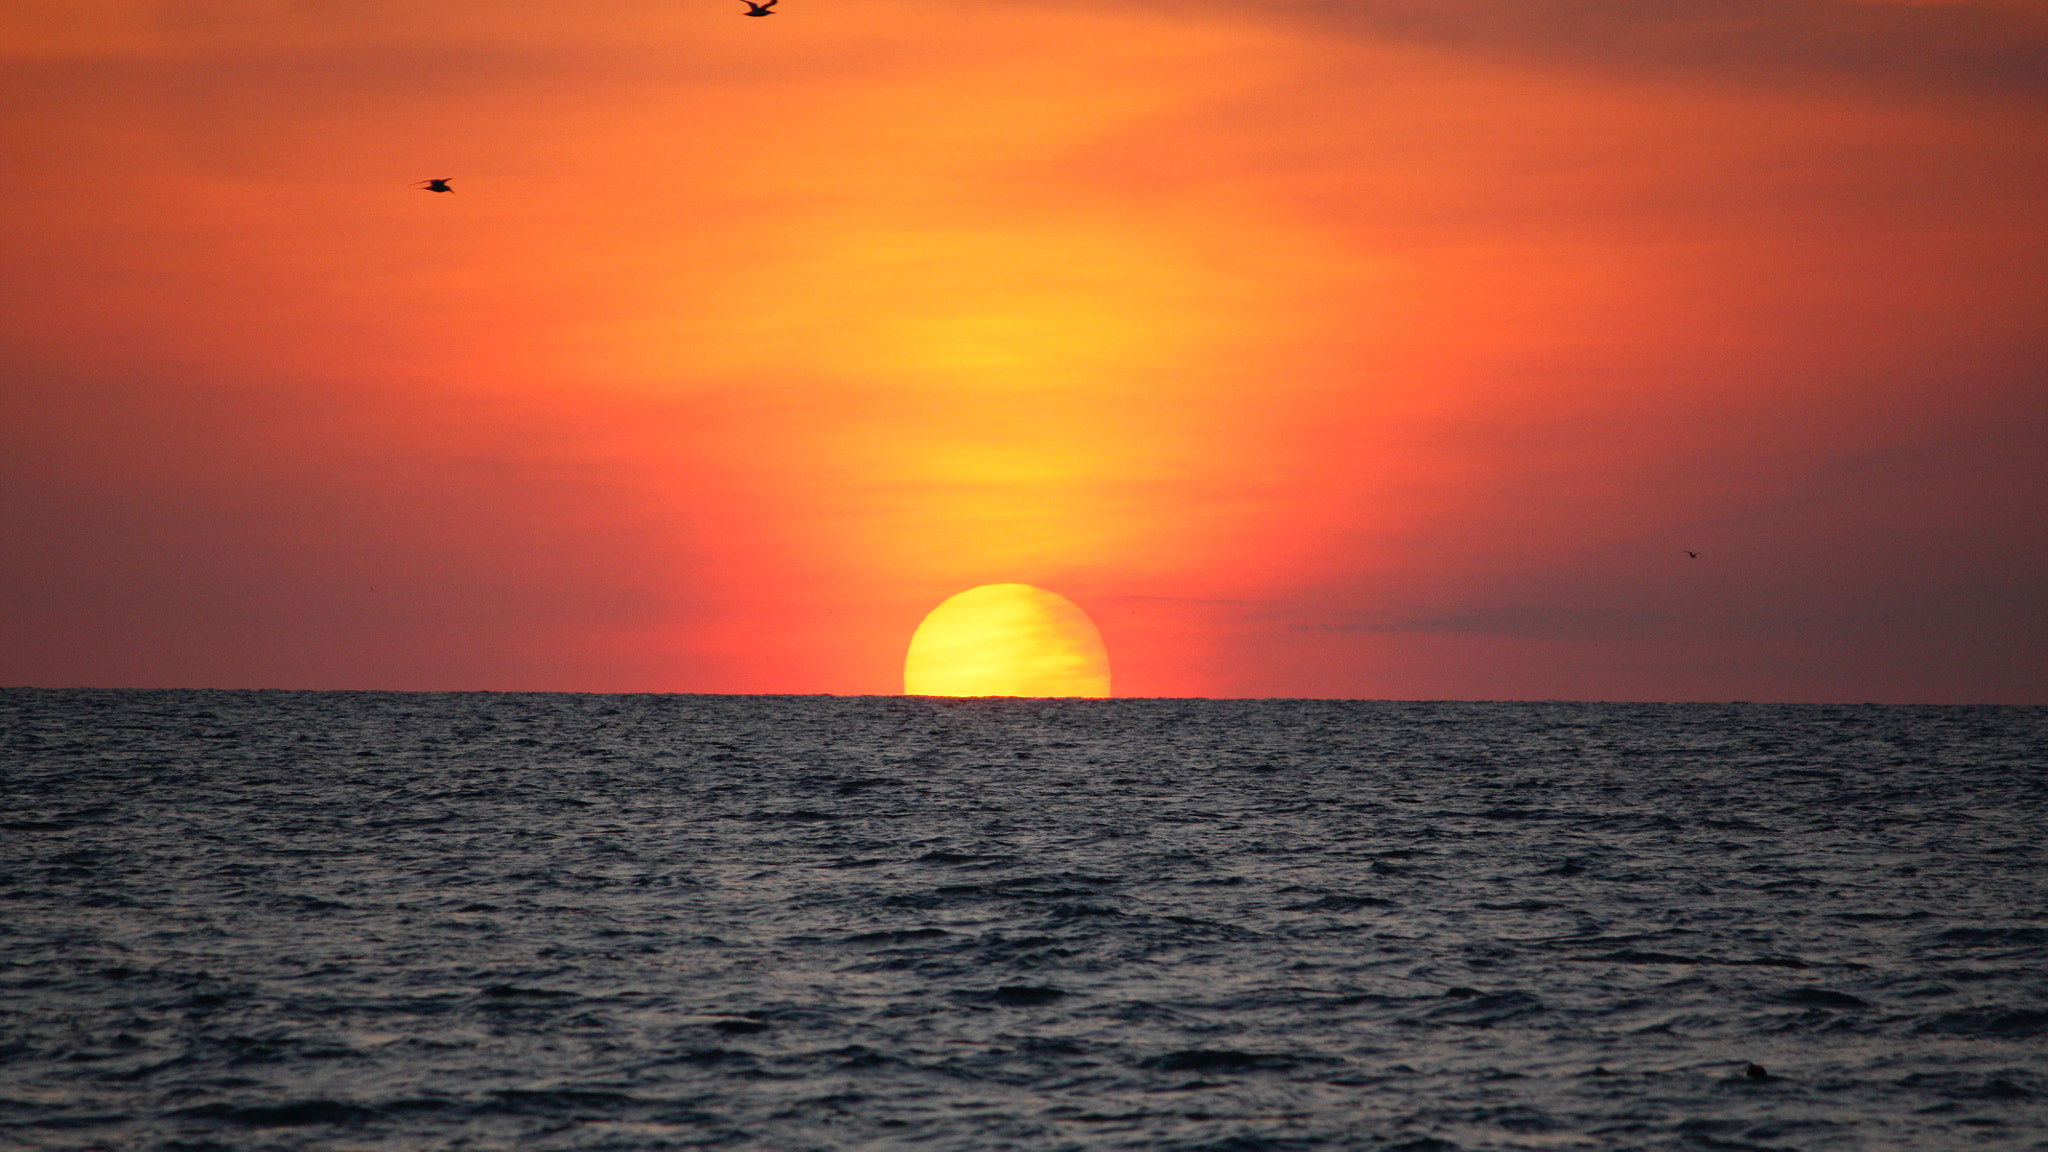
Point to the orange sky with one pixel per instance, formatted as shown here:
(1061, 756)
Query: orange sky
(1389, 348)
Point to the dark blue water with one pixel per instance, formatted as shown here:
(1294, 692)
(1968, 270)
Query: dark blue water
(267, 920)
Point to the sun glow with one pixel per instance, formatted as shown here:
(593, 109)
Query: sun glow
(1006, 640)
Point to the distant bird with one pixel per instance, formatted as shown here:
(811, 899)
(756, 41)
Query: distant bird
(1691, 553)
(1756, 1072)
(754, 9)
(441, 185)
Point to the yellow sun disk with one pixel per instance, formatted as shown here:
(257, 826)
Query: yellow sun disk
(1006, 640)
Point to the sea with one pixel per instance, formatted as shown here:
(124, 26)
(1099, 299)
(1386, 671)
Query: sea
(243, 920)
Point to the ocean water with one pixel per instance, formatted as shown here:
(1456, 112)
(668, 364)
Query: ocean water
(278, 920)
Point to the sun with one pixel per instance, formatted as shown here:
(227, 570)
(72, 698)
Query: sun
(1006, 640)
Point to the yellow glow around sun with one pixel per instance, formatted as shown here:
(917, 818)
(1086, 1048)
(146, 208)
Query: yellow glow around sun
(1006, 640)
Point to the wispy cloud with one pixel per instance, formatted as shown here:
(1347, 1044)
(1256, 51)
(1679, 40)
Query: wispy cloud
(1982, 47)
(1522, 622)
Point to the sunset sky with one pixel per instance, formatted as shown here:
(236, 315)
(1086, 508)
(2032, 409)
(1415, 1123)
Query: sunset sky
(1344, 348)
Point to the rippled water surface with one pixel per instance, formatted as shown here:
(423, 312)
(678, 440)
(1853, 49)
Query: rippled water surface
(257, 920)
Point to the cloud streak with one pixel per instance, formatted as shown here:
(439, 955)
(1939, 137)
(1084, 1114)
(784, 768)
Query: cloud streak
(1970, 48)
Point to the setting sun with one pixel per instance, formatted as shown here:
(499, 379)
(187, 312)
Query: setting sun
(1006, 640)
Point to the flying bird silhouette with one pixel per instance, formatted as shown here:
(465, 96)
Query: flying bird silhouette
(1691, 553)
(441, 185)
(754, 9)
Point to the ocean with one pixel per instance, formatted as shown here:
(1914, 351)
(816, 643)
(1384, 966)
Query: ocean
(345, 920)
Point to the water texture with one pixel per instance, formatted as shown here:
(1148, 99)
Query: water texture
(275, 920)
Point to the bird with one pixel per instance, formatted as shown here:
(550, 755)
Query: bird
(754, 9)
(1691, 553)
(1756, 1072)
(440, 184)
